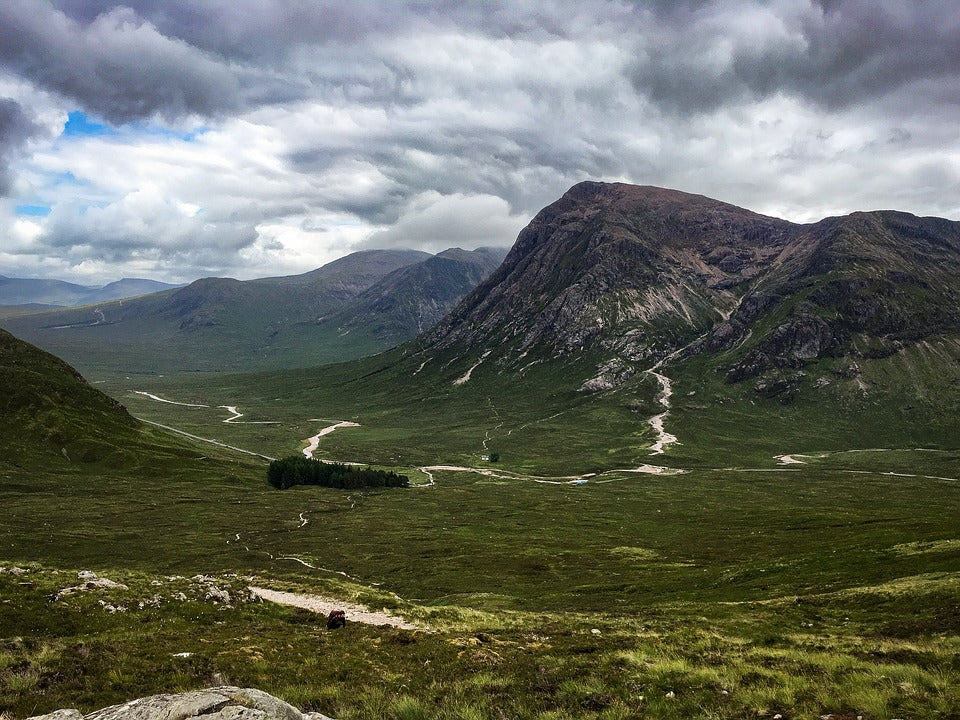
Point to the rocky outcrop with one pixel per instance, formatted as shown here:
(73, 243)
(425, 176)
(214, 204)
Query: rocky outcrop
(620, 271)
(789, 345)
(90, 581)
(219, 703)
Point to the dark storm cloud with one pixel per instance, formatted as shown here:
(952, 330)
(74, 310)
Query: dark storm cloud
(835, 54)
(16, 126)
(177, 57)
(116, 66)
(325, 123)
(257, 32)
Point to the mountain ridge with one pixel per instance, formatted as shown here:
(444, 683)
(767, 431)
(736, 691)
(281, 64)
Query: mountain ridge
(59, 293)
(291, 321)
(637, 273)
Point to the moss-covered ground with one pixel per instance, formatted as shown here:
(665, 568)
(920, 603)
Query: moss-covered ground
(738, 588)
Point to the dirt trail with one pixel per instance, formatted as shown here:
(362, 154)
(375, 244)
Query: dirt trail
(314, 442)
(324, 604)
(208, 440)
(235, 419)
(169, 402)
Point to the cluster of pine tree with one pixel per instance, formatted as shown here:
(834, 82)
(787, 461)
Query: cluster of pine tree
(299, 470)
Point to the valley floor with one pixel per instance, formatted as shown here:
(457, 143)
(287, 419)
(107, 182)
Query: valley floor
(802, 583)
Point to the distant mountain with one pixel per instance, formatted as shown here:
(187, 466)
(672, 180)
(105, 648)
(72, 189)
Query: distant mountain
(126, 288)
(413, 299)
(337, 312)
(26, 291)
(257, 309)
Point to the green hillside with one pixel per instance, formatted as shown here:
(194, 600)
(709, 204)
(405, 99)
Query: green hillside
(357, 305)
(775, 338)
(46, 409)
(741, 590)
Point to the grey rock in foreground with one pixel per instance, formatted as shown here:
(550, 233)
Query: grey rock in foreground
(219, 703)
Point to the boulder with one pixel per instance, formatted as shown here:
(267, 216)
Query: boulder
(218, 703)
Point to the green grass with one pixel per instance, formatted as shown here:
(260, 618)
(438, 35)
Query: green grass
(740, 593)
(737, 589)
(668, 661)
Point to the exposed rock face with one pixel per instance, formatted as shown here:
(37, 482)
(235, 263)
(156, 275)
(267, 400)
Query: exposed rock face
(219, 703)
(412, 299)
(628, 272)
(91, 581)
(864, 285)
(629, 275)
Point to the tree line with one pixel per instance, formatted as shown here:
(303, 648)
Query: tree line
(299, 470)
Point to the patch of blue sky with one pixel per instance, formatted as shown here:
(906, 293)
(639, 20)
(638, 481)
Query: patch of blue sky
(66, 178)
(30, 210)
(79, 124)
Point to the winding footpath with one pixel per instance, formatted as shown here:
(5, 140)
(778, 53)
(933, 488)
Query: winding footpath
(237, 414)
(664, 439)
(314, 442)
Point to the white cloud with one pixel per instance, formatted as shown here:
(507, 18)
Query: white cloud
(435, 222)
(329, 126)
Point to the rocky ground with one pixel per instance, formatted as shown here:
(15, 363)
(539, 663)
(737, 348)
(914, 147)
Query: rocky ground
(218, 703)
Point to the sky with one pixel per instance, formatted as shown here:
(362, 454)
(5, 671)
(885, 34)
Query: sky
(176, 139)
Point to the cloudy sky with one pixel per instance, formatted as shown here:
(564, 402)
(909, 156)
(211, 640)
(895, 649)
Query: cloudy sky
(175, 139)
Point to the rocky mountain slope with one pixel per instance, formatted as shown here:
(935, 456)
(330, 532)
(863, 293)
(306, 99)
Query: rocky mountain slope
(626, 276)
(862, 286)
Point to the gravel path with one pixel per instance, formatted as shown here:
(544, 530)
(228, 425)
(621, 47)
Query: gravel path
(323, 604)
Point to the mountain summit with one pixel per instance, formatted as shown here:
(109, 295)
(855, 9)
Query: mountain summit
(628, 275)
(626, 269)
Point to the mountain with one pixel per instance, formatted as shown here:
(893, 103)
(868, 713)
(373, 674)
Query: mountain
(125, 288)
(48, 409)
(257, 308)
(414, 298)
(624, 270)
(336, 312)
(630, 275)
(27, 291)
(864, 286)
(626, 315)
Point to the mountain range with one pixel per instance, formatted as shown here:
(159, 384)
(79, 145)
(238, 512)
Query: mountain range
(616, 302)
(726, 440)
(620, 303)
(39, 292)
(362, 303)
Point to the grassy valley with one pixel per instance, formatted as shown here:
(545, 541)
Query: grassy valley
(794, 553)
(739, 588)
